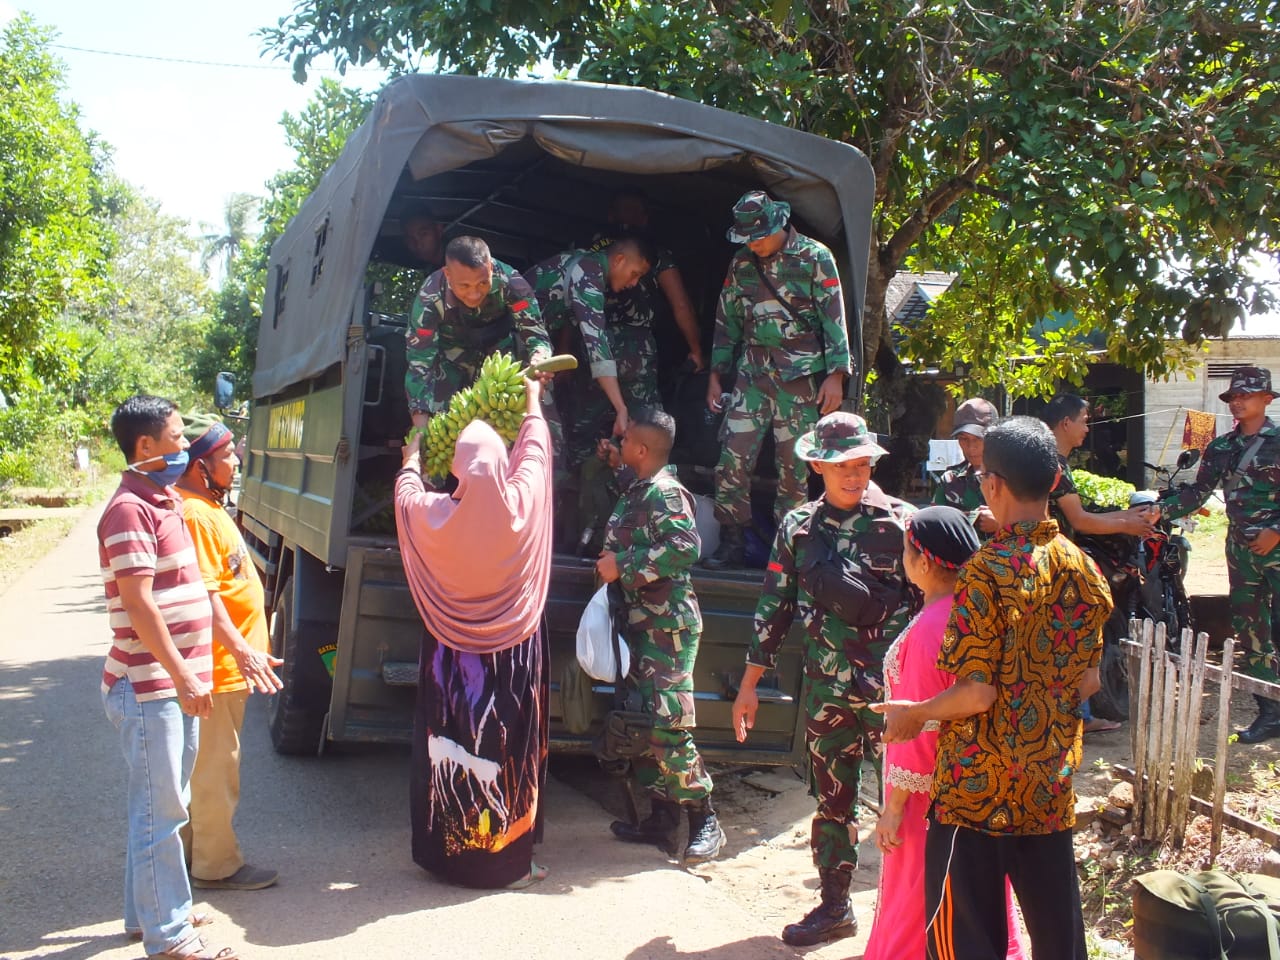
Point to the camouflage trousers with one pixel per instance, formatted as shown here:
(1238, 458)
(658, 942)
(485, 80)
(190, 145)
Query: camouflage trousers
(592, 414)
(662, 671)
(1254, 582)
(840, 729)
(761, 404)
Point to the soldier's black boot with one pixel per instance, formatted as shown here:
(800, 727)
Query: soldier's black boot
(732, 551)
(706, 837)
(1265, 726)
(659, 828)
(830, 920)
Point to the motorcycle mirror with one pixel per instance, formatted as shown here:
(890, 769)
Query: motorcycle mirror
(1188, 458)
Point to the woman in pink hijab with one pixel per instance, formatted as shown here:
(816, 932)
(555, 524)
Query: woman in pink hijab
(478, 562)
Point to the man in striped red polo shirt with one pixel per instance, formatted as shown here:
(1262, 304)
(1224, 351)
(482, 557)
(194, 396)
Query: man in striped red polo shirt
(156, 682)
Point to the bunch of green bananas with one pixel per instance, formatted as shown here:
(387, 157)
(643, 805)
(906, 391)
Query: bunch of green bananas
(497, 397)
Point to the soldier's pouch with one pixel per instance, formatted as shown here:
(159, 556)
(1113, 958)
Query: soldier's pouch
(625, 734)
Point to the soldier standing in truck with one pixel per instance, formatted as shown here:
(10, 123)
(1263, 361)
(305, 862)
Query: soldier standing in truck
(472, 307)
(632, 314)
(572, 288)
(781, 314)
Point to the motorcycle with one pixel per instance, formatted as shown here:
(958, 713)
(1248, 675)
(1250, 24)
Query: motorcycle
(1146, 577)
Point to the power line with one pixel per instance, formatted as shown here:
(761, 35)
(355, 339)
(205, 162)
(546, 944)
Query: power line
(203, 63)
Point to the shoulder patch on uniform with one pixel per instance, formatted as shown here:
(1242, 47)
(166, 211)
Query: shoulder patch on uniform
(774, 567)
(831, 282)
(425, 332)
(519, 305)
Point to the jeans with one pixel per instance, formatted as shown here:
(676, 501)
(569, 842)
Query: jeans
(159, 744)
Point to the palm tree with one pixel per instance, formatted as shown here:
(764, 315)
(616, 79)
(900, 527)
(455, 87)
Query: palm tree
(239, 216)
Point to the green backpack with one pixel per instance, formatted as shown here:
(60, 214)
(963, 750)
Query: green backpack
(1205, 916)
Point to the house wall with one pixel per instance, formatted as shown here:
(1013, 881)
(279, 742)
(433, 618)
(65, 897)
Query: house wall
(1167, 402)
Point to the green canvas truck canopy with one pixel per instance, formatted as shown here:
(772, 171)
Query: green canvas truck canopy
(425, 131)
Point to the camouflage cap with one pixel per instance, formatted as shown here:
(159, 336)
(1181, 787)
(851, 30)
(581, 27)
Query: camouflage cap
(839, 436)
(756, 216)
(973, 417)
(205, 433)
(1248, 380)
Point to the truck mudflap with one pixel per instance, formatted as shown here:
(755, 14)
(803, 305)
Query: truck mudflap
(376, 671)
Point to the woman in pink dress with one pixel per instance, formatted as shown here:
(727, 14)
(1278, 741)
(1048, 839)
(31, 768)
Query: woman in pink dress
(938, 542)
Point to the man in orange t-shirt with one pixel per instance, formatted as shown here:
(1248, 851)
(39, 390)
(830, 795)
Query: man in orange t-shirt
(241, 662)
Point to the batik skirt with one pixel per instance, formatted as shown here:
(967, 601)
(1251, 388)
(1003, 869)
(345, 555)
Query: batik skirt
(479, 761)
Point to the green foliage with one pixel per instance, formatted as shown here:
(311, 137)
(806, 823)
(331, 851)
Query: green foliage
(1106, 493)
(1114, 161)
(52, 246)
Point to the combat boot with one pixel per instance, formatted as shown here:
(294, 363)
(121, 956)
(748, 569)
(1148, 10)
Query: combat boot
(706, 837)
(830, 920)
(659, 828)
(1265, 726)
(732, 552)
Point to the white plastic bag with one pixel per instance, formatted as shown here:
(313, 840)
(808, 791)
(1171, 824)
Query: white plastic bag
(595, 651)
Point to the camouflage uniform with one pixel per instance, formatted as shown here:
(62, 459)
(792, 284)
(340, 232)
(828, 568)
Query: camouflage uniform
(572, 288)
(447, 341)
(783, 357)
(1253, 502)
(961, 487)
(842, 664)
(652, 532)
(630, 317)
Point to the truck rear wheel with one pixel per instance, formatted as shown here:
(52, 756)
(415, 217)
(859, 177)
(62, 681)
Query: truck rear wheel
(296, 714)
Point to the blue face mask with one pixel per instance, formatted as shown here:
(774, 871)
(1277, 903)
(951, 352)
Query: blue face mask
(175, 465)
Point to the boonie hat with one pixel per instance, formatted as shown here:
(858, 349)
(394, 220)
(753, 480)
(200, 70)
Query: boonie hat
(756, 216)
(973, 417)
(205, 433)
(839, 436)
(1248, 380)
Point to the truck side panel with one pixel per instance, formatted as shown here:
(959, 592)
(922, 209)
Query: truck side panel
(376, 673)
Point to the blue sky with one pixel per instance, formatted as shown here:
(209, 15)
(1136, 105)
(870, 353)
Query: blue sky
(186, 134)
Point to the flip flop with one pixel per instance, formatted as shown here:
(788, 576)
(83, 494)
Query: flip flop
(1098, 725)
(536, 873)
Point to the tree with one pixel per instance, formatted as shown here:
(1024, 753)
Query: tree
(236, 231)
(53, 240)
(153, 280)
(1112, 160)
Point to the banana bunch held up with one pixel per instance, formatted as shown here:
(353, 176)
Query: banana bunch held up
(497, 397)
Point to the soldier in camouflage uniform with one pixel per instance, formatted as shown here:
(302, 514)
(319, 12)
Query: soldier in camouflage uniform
(632, 314)
(961, 484)
(472, 307)
(650, 544)
(782, 308)
(1245, 465)
(572, 289)
(837, 565)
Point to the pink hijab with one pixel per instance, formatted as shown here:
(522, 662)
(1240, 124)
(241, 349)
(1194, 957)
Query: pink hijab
(479, 562)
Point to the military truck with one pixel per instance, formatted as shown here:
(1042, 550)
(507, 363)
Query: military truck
(530, 167)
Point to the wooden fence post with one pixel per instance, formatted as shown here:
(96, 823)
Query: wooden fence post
(1220, 759)
(1154, 734)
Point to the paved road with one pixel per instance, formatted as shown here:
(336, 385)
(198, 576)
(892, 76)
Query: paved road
(336, 829)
